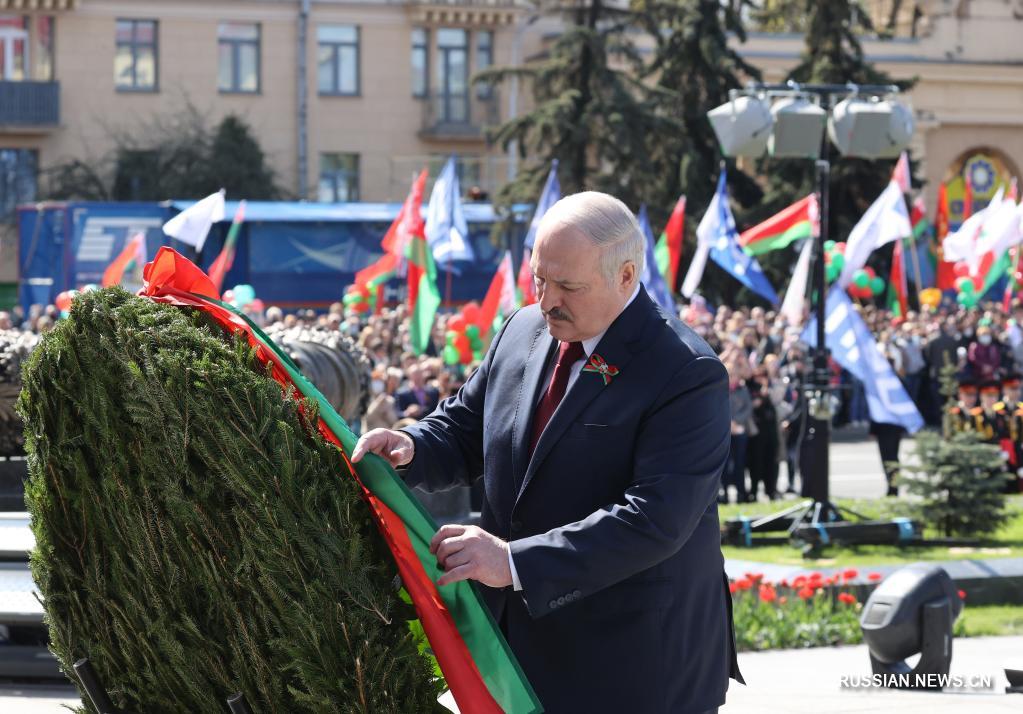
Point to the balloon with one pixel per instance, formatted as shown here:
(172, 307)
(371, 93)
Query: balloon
(363, 291)
(930, 297)
(827, 259)
(964, 285)
(471, 312)
(462, 343)
(244, 294)
(477, 356)
(838, 260)
(256, 305)
(831, 272)
(361, 307)
(449, 337)
(465, 356)
(840, 248)
(876, 285)
(476, 343)
(861, 279)
(347, 300)
(63, 301)
(228, 296)
(869, 271)
(473, 331)
(90, 287)
(450, 354)
(961, 269)
(967, 299)
(457, 323)
(829, 245)
(978, 283)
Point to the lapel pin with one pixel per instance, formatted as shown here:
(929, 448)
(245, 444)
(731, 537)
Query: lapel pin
(601, 367)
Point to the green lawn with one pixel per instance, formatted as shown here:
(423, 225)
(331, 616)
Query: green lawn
(985, 620)
(1007, 542)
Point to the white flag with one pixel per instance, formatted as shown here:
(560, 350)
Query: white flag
(886, 220)
(963, 244)
(193, 224)
(795, 297)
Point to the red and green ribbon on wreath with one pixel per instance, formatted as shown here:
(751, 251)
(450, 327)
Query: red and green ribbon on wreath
(479, 667)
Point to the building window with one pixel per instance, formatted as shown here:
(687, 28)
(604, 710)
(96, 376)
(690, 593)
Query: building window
(19, 172)
(338, 59)
(238, 44)
(339, 177)
(135, 56)
(452, 75)
(44, 48)
(420, 62)
(484, 58)
(14, 48)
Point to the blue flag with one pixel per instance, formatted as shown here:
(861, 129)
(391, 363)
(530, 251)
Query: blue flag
(853, 347)
(550, 195)
(717, 230)
(651, 278)
(446, 230)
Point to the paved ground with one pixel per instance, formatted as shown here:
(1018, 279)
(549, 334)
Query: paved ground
(809, 682)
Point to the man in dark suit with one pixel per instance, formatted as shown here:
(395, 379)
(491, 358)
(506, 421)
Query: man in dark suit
(418, 399)
(600, 427)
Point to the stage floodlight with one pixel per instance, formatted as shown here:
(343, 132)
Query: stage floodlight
(798, 128)
(742, 126)
(900, 129)
(859, 126)
(911, 612)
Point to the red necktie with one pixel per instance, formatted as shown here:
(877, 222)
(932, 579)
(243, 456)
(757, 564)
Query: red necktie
(568, 354)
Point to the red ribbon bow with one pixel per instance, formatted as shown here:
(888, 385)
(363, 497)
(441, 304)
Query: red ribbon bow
(598, 365)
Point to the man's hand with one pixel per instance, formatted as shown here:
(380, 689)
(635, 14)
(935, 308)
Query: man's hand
(396, 447)
(470, 553)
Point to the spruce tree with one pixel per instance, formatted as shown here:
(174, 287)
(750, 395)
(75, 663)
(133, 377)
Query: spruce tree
(195, 535)
(692, 70)
(959, 479)
(590, 110)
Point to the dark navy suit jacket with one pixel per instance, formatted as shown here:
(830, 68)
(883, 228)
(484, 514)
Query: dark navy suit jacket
(612, 523)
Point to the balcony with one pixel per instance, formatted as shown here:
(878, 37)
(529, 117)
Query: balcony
(450, 117)
(29, 106)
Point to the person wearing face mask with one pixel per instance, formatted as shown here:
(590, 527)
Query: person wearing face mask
(984, 357)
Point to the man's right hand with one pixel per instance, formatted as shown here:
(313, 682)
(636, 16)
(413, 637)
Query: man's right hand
(396, 447)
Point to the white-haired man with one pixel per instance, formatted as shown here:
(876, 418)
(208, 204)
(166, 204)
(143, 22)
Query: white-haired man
(600, 427)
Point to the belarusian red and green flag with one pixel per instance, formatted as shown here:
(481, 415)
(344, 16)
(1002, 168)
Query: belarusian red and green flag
(479, 667)
(668, 251)
(133, 253)
(945, 277)
(898, 294)
(500, 300)
(791, 224)
(225, 258)
(371, 279)
(423, 295)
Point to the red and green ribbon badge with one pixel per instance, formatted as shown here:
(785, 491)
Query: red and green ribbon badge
(598, 365)
(480, 669)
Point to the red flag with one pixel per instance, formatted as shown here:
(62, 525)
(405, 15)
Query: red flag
(897, 300)
(225, 258)
(673, 240)
(945, 277)
(500, 295)
(527, 288)
(133, 250)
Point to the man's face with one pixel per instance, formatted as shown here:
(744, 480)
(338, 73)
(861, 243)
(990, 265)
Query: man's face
(574, 296)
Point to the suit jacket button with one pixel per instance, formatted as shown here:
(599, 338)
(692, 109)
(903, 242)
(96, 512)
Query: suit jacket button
(561, 601)
(553, 604)
(516, 526)
(576, 594)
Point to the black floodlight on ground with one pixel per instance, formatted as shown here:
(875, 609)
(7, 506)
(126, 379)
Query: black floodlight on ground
(911, 612)
(1015, 677)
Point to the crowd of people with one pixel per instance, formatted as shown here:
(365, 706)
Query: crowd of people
(766, 362)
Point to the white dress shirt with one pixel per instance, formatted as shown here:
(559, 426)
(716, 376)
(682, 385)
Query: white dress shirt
(577, 367)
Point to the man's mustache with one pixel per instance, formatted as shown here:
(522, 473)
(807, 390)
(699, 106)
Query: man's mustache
(557, 314)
